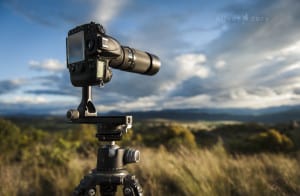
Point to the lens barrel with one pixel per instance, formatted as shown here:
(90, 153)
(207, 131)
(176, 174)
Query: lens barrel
(133, 60)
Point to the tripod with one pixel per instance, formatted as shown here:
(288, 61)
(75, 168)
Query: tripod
(111, 159)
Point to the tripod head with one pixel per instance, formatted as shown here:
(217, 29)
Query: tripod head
(110, 128)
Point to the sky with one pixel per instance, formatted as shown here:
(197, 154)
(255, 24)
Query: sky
(214, 54)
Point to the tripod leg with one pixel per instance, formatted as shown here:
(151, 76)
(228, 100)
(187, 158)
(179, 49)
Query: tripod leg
(132, 186)
(86, 187)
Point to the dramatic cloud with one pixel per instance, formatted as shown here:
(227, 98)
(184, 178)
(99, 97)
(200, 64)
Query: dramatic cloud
(245, 54)
(259, 53)
(243, 67)
(56, 84)
(192, 65)
(7, 86)
(52, 65)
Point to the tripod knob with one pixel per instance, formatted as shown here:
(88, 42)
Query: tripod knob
(131, 156)
(73, 114)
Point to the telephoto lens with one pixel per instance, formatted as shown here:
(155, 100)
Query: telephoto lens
(133, 60)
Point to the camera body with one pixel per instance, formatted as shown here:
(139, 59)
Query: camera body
(91, 53)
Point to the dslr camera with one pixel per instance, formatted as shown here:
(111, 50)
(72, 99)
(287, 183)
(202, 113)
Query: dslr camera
(91, 53)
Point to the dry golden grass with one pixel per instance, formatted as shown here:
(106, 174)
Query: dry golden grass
(184, 172)
(213, 172)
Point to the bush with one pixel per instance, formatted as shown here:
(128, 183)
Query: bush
(177, 135)
(171, 136)
(10, 136)
(271, 140)
(85, 136)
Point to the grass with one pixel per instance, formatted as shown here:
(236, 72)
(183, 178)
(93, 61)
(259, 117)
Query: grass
(214, 172)
(184, 172)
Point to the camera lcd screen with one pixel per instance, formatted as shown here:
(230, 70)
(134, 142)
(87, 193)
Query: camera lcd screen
(75, 45)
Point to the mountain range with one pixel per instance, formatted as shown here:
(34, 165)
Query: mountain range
(266, 115)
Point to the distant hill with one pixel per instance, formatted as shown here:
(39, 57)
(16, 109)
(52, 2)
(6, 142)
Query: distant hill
(268, 115)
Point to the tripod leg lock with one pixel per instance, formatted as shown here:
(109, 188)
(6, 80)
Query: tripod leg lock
(132, 186)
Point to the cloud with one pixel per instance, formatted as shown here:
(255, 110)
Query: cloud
(52, 65)
(232, 71)
(253, 56)
(48, 92)
(33, 108)
(65, 12)
(243, 98)
(51, 13)
(192, 65)
(7, 86)
(235, 98)
(56, 83)
(139, 104)
(196, 101)
(242, 64)
(191, 87)
(220, 64)
(25, 100)
(106, 10)
(245, 67)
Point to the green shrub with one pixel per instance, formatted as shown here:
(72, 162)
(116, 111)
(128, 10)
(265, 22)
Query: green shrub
(271, 140)
(84, 134)
(177, 135)
(10, 136)
(170, 135)
(131, 139)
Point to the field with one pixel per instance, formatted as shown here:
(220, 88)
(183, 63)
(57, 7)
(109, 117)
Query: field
(49, 157)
